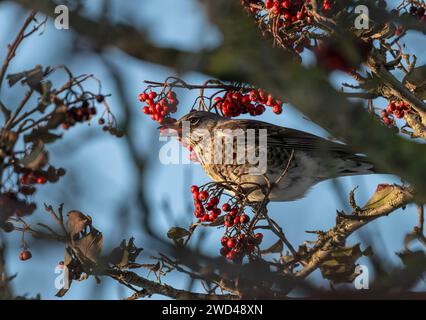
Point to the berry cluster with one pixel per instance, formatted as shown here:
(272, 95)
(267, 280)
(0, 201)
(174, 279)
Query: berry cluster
(30, 177)
(235, 103)
(330, 54)
(394, 108)
(159, 106)
(418, 12)
(205, 205)
(235, 247)
(290, 10)
(289, 21)
(79, 114)
(237, 241)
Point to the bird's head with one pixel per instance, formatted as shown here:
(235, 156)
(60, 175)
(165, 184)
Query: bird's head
(192, 123)
(194, 120)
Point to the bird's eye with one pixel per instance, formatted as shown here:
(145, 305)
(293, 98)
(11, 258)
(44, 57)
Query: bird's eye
(194, 121)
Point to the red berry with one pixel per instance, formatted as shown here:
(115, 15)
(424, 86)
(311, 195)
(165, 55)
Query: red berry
(233, 212)
(214, 201)
(237, 220)
(25, 179)
(244, 218)
(224, 251)
(41, 180)
(286, 4)
(260, 109)
(226, 207)
(25, 255)
(230, 255)
(231, 243)
(212, 216)
(224, 240)
(152, 95)
(194, 189)
(204, 195)
(205, 218)
(277, 109)
(258, 237)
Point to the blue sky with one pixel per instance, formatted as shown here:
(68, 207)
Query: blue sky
(103, 172)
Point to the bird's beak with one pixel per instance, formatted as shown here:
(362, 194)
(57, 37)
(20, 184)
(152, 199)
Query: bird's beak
(171, 128)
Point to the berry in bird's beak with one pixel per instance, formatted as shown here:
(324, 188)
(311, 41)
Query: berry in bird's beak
(171, 127)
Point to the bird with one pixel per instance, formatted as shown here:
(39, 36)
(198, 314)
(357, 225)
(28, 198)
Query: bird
(295, 160)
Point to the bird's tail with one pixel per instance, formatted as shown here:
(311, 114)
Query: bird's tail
(357, 165)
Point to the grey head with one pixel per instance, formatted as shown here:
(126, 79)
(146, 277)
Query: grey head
(200, 120)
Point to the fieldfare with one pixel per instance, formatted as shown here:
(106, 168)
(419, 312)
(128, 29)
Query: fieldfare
(294, 160)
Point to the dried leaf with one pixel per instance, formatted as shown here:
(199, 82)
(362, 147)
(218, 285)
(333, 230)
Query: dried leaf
(416, 81)
(45, 87)
(35, 159)
(41, 134)
(90, 245)
(125, 254)
(380, 197)
(277, 247)
(176, 233)
(57, 118)
(77, 222)
(34, 77)
(6, 112)
(218, 222)
(341, 265)
(413, 258)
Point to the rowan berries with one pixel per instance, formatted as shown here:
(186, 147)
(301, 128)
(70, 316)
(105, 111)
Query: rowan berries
(226, 207)
(159, 106)
(395, 108)
(25, 255)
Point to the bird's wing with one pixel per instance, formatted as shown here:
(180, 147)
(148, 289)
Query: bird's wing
(290, 138)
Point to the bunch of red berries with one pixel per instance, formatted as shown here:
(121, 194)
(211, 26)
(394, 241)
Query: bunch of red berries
(418, 12)
(235, 103)
(326, 5)
(394, 108)
(235, 247)
(30, 177)
(79, 114)
(159, 106)
(238, 241)
(288, 9)
(205, 205)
